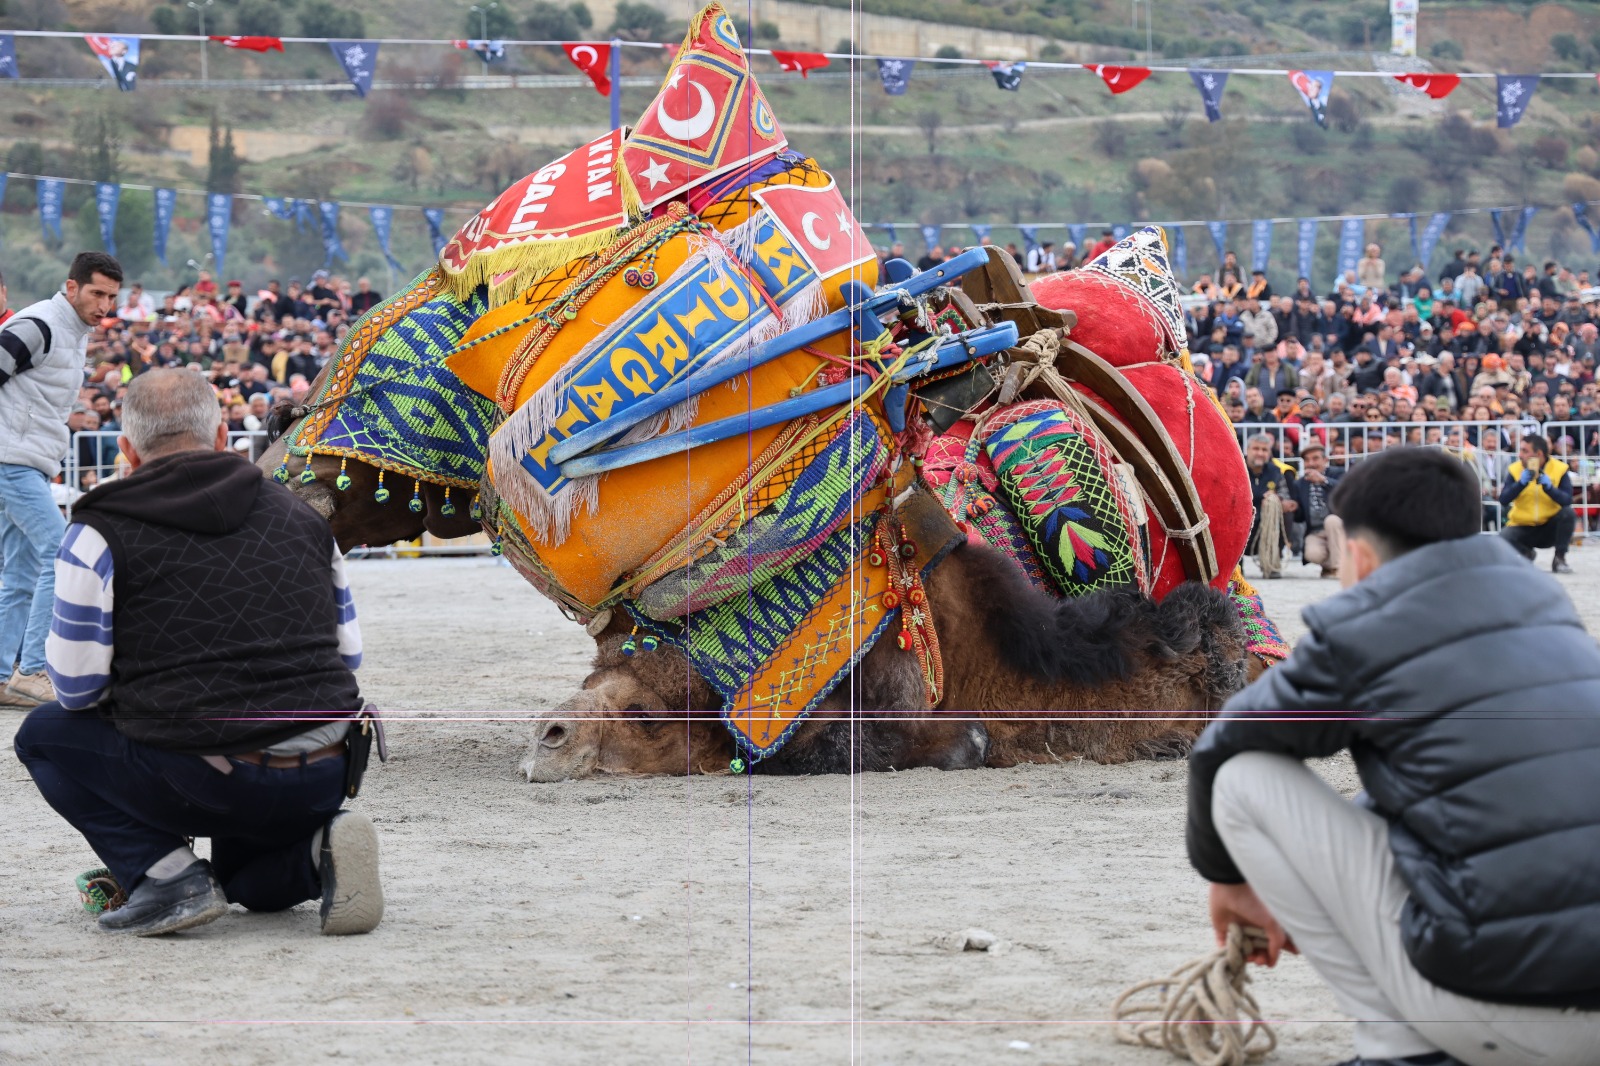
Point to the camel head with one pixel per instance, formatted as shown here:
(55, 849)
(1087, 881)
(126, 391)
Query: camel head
(631, 716)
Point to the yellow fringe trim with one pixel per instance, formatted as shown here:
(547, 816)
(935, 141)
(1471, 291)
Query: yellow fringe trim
(1240, 585)
(527, 263)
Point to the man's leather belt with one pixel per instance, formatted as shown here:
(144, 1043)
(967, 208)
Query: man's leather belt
(289, 762)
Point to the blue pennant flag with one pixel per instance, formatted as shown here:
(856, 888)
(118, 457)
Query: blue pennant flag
(1411, 220)
(278, 207)
(1007, 76)
(980, 230)
(1513, 93)
(120, 56)
(1499, 227)
(166, 205)
(1219, 237)
(382, 221)
(49, 192)
(435, 218)
(1307, 246)
(302, 216)
(1078, 234)
(930, 237)
(895, 75)
(1030, 237)
(329, 210)
(8, 55)
(1180, 252)
(1351, 235)
(219, 217)
(1210, 83)
(106, 195)
(894, 235)
(1430, 237)
(1119, 231)
(359, 59)
(1519, 231)
(1260, 243)
(1580, 211)
(1314, 87)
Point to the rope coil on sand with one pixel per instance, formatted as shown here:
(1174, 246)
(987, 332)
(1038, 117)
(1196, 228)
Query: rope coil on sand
(1203, 1012)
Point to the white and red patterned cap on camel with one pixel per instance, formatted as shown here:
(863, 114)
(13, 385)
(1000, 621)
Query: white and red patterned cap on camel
(1140, 262)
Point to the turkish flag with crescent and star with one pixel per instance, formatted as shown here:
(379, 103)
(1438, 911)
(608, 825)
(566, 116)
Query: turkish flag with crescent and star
(819, 224)
(252, 44)
(1120, 79)
(594, 59)
(709, 118)
(801, 63)
(1437, 86)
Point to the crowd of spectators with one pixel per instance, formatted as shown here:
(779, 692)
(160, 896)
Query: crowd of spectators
(255, 350)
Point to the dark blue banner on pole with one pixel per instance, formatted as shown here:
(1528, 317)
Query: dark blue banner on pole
(1306, 246)
(8, 55)
(1120, 230)
(435, 219)
(166, 205)
(302, 216)
(49, 192)
(1030, 237)
(1078, 234)
(219, 217)
(1180, 252)
(279, 207)
(331, 247)
(1580, 211)
(106, 195)
(1519, 231)
(980, 230)
(382, 222)
(930, 237)
(359, 59)
(1210, 83)
(1499, 227)
(1513, 93)
(1219, 237)
(1351, 235)
(895, 75)
(1431, 235)
(1260, 243)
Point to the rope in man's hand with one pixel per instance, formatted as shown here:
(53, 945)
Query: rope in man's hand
(1203, 1011)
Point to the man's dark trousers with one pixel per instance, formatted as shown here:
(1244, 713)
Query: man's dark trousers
(135, 804)
(1556, 533)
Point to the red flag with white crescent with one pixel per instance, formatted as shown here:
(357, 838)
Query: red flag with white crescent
(594, 59)
(1437, 86)
(800, 63)
(252, 44)
(1120, 79)
(709, 118)
(819, 224)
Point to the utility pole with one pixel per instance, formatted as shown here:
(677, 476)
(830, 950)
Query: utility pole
(200, 9)
(483, 29)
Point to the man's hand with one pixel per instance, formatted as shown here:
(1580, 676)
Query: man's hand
(1290, 506)
(1239, 904)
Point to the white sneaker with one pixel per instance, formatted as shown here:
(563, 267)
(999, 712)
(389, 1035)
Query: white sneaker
(32, 688)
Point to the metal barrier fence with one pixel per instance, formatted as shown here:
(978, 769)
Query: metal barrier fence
(93, 457)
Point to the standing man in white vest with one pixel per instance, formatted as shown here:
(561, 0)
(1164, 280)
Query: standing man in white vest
(43, 349)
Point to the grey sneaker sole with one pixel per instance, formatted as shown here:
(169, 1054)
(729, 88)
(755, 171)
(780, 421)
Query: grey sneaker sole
(354, 902)
(201, 910)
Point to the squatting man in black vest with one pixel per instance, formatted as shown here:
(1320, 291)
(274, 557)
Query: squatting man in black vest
(201, 651)
(1453, 908)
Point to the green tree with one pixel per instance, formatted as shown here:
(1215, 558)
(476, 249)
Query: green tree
(638, 22)
(320, 18)
(491, 23)
(1566, 46)
(134, 230)
(175, 20)
(263, 18)
(222, 173)
(98, 150)
(552, 22)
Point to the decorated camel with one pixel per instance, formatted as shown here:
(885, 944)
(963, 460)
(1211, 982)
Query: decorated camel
(805, 515)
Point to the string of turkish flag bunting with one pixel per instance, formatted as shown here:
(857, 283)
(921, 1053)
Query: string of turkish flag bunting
(119, 55)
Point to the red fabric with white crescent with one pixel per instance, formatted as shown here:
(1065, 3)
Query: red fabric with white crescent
(252, 44)
(1437, 86)
(709, 118)
(819, 224)
(1116, 326)
(577, 194)
(99, 44)
(800, 62)
(594, 59)
(1120, 79)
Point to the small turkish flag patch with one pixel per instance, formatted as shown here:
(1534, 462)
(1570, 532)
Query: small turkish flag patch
(819, 224)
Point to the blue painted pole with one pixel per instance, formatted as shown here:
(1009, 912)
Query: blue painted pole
(616, 83)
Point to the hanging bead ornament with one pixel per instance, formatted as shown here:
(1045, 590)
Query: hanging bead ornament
(308, 475)
(415, 503)
(628, 644)
(342, 482)
(737, 765)
(905, 590)
(447, 508)
(476, 510)
(281, 475)
(649, 643)
(381, 494)
(497, 548)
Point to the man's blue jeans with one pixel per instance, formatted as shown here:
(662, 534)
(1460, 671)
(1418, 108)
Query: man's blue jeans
(134, 804)
(30, 532)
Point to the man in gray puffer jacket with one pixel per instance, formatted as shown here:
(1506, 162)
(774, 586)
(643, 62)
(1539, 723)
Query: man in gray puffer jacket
(42, 352)
(1454, 908)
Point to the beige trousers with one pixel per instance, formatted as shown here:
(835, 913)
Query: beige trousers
(1326, 547)
(1323, 867)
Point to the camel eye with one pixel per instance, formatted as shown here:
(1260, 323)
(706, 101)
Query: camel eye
(633, 708)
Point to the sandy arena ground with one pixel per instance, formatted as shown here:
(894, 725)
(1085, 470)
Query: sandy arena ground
(702, 920)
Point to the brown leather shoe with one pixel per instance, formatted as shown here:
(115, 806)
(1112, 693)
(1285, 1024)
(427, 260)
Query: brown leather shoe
(35, 688)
